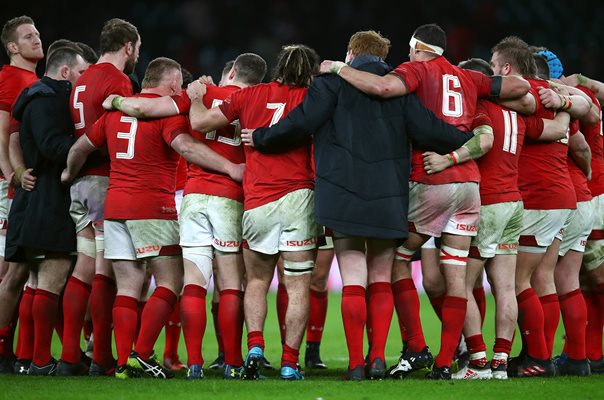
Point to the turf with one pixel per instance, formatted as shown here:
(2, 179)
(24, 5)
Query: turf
(318, 385)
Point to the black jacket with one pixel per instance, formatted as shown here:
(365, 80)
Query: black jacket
(362, 151)
(40, 219)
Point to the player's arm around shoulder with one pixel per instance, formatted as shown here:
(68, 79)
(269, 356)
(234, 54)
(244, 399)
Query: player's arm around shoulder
(142, 107)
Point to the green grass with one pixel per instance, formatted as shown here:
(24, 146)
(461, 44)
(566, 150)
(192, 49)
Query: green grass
(325, 385)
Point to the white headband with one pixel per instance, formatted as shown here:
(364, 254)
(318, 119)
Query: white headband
(427, 47)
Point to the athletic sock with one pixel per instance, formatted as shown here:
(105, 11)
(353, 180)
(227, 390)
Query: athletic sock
(530, 321)
(255, 338)
(476, 344)
(453, 315)
(551, 319)
(437, 305)
(44, 311)
(230, 320)
(316, 316)
(481, 302)
(157, 311)
(381, 305)
(282, 301)
(574, 317)
(354, 316)
(593, 331)
(407, 305)
(25, 338)
(125, 310)
(102, 297)
(173, 333)
(289, 356)
(193, 311)
(502, 346)
(215, 308)
(75, 303)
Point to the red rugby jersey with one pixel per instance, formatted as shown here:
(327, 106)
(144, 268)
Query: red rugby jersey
(543, 178)
(499, 167)
(143, 164)
(86, 103)
(451, 93)
(593, 136)
(269, 177)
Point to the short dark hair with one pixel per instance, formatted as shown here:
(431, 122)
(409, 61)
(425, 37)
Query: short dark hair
(156, 70)
(227, 67)
(59, 43)
(116, 33)
(187, 77)
(431, 34)
(542, 67)
(516, 52)
(478, 65)
(90, 56)
(370, 43)
(66, 55)
(296, 64)
(9, 30)
(250, 68)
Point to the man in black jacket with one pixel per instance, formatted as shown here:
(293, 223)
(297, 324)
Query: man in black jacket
(40, 230)
(362, 175)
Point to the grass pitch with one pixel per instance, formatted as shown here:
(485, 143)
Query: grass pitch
(323, 385)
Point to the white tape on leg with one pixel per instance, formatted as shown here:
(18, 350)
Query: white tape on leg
(202, 258)
(297, 268)
(86, 246)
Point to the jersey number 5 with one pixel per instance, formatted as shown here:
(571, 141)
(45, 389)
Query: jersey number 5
(130, 136)
(78, 105)
(452, 100)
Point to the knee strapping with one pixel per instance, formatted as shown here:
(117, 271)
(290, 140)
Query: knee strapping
(404, 254)
(2, 244)
(86, 246)
(297, 268)
(451, 256)
(202, 258)
(99, 238)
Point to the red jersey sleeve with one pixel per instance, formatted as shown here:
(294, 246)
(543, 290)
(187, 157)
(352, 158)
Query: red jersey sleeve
(534, 127)
(96, 135)
(182, 102)
(122, 87)
(6, 96)
(411, 74)
(483, 83)
(482, 116)
(174, 126)
(573, 128)
(230, 106)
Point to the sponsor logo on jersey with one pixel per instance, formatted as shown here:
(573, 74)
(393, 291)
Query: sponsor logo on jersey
(227, 243)
(467, 228)
(300, 243)
(507, 246)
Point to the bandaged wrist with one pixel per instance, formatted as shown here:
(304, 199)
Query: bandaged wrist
(337, 66)
(453, 157)
(19, 174)
(566, 102)
(117, 102)
(581, 80)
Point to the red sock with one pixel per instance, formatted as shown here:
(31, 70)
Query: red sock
(317, 315)
(7, 342)
(155, 315)
(381, 305)
(502, 346)
(102, 297)
(140, 306)
(475, 344)
(530, 321)
(369, 322)
(59, 319)
(255, 338)
(230, 320)
(173, 333)
(574, 316)
(551, 319)
(44, 311)
(87, 329)
(125, 310)
(354, 316)
(75, 302)
(593, 332)
(193, 312)
(407, 309)
(437, 305)
(215, 310)
(289, 356)
(600, 297)
(481, 301)
(453, 313)
(25, 338)
(282, 301)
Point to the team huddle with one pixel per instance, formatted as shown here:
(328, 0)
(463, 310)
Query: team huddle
(493, 167)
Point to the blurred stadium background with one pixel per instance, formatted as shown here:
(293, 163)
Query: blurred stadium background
(203, 34)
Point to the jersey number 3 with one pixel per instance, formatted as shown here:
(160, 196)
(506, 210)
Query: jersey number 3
(130, 136)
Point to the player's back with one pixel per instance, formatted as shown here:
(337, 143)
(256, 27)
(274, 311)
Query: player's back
(86, 102)
(544, 180)
(270, 176)
(594, 136)
(143, 164)
(451, 93)
(225, 141)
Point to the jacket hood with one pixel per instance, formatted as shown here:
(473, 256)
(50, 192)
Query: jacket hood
(45, 87)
